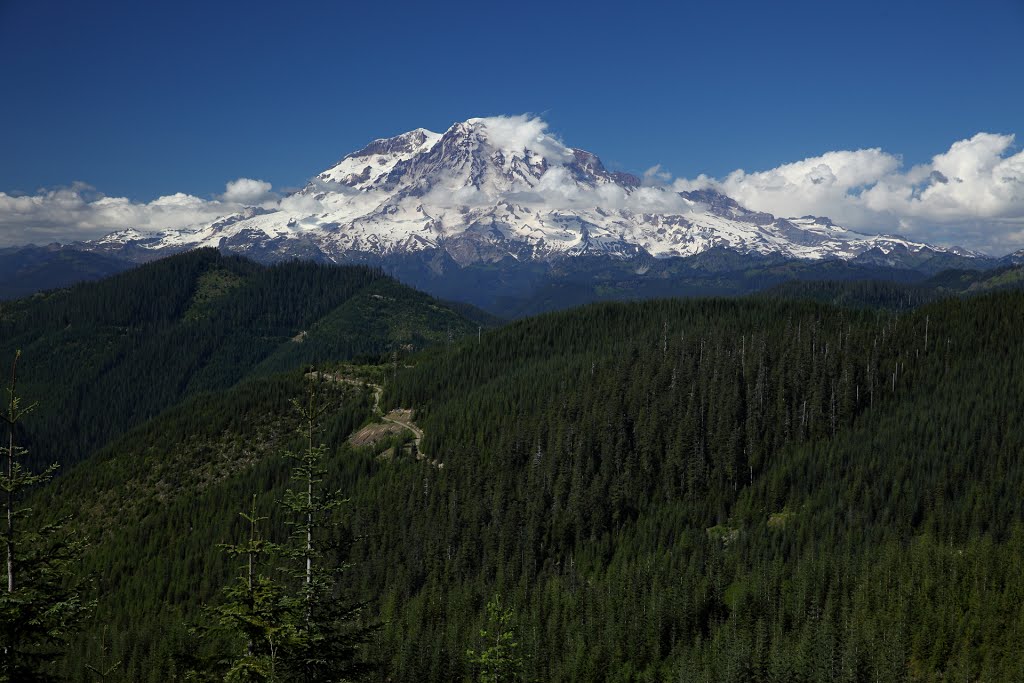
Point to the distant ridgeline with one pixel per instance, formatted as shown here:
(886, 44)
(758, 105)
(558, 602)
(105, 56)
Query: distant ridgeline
(755, 489)
(27, 270)
(510, 288)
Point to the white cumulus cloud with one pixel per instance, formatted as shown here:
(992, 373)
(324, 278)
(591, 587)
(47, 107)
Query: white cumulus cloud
(972, 194)
(247, 191)
(79, 212)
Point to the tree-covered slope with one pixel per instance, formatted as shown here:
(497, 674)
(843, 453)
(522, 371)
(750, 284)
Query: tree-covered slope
(722, 490)
(899, 296)
(157, 503)
(104, 356)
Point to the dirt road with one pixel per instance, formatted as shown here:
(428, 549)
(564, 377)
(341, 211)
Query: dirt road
(401, 416)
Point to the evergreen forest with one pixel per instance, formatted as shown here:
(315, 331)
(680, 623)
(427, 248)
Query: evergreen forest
(308, 472)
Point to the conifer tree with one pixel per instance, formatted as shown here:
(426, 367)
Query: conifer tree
(498, 659)
(329, 632)
(256, 611)
(42, 602)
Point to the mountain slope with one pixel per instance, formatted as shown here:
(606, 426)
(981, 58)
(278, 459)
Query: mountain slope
(514, 289)
(727, 491)
(188, 469)
(119, 351)
(723, 490)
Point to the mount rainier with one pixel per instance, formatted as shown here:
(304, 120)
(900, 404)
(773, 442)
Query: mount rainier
(483, 191)
(497, 209)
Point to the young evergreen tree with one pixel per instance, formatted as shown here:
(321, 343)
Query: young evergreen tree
(42, 602)
(285, 613)
(329, 633)
(498, 660)
(256, 614)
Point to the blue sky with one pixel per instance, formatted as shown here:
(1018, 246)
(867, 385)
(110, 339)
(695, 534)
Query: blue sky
(141, 99)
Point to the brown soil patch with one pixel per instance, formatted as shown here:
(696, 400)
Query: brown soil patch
(373, 433)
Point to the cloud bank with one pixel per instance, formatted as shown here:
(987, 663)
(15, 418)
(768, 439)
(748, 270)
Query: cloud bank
(972, 194)
(79, 212)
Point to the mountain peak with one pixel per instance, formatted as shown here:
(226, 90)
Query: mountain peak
(490, 188)
(404, 143)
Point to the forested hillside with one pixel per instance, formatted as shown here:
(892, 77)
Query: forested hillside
(721, 490)
(900, 296)
(157, 503)
(104, 356)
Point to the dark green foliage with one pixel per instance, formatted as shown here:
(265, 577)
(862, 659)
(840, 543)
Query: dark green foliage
(475, 315)
(265, 616)
(46, 608)
(297, 626)
(720, 490)
(328, 633)
(112, 354)
(164, 497)
(900, 296)
(41, 600)
(256, 615)
(498, 658)
(894, 296)
(383, 317)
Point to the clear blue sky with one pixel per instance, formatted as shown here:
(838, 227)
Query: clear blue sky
(143, 98)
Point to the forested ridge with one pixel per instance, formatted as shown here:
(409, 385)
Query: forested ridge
(111, 354)
(722, 490)
(899, 296)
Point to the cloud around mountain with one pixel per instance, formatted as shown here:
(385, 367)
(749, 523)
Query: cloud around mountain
(522, 131)
(972, 194)
(79, 212)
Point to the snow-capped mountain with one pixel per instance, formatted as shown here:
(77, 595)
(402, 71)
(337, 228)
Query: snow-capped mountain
(1013, 259)
(484, 191)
